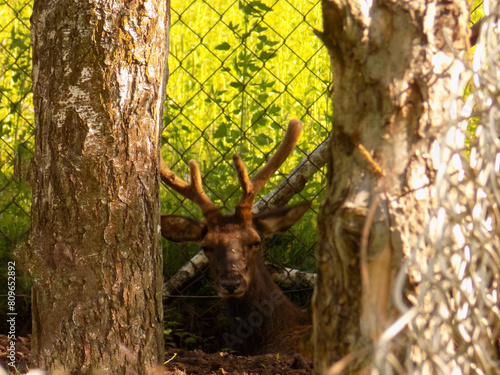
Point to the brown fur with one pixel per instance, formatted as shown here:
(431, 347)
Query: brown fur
(282, 322)
(263, 319)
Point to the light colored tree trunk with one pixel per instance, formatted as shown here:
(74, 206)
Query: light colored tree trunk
(95, 252)
(394, 67)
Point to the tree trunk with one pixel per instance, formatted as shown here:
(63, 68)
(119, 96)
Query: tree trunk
(394, 74)
(95, 251)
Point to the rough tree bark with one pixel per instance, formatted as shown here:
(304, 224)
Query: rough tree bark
(94, 251)
(393, 65)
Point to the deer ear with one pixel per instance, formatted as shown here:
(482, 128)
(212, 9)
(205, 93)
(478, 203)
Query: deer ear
(182, 229)
(279, 219)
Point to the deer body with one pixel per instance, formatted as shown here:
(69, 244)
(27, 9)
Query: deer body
(264, 320)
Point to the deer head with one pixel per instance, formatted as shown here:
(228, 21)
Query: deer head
(232, 242)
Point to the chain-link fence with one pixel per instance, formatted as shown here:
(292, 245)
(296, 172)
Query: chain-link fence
(239, 71)
(16, 122)
(456, 266)
(16, 144)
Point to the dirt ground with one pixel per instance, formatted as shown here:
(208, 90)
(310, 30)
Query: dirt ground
(180, 362)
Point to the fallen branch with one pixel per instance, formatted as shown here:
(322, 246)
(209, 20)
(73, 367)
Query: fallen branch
(186, 273)
(293, 184)
(287, 277)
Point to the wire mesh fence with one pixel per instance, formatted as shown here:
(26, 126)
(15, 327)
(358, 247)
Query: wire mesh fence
(454, 322)
(16, 122)
(239, 71)
(16, 144)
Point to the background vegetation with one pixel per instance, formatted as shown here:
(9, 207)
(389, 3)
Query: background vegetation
(16, 122)
(16, 145)
(239, 71)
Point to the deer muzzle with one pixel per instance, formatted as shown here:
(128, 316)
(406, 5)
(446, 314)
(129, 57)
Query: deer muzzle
(231, 286)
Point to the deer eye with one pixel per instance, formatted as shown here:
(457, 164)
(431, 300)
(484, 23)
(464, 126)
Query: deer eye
(207, 249)
(255, 245)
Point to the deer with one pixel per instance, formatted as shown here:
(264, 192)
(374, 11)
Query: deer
(264, 320)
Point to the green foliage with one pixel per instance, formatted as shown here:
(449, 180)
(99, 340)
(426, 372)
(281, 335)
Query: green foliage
(16, 131)
(238, 73)
(177, 337)
(16, 102)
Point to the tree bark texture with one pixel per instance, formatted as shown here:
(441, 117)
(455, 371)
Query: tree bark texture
(95, 251)
(393, 65)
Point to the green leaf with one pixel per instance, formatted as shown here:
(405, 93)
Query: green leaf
(267, 55)
(247, 9)
(191, 340)
(251, 67)
(272, 43)
(223, 46)
(264, 140)
(262, 97)
(273, 110)
(260, 5)
(221, 131)
(234, 135)
(259, 28)
(234, 28)
(236, 85)
(257, 117)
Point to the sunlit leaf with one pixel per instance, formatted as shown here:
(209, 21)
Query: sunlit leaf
(263, 139)
(223, 46)
(260, 5)
(221, 131)
(236, 85)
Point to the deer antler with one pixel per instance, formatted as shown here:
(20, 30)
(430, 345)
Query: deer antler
(252, 187)
(192, 191)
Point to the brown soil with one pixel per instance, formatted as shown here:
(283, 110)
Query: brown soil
(180, 362)
(197, 362)
(23, 353)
